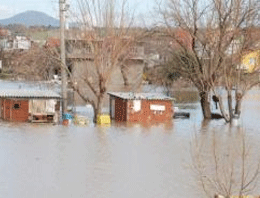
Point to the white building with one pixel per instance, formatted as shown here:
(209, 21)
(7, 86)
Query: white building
(16, 43)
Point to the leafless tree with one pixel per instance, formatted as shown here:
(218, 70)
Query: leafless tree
(213, 26)
(225, 164)
(34, 64)
(236, 79)
(106, 40)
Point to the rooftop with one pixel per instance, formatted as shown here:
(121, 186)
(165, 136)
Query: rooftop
(140, 96)
(19, 93)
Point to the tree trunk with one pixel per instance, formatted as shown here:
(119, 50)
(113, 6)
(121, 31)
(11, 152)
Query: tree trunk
(230, 109)
(205, 104)
(98, 108)
(222, 109)
(124, 75)
(238, 107)
(238, 103)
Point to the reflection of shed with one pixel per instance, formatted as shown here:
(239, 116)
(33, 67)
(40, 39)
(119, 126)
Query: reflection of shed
(28, 105)
(140, 107)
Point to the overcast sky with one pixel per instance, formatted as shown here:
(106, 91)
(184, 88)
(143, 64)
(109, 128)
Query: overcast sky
(9, 8)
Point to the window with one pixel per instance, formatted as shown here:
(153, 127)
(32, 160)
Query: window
(157, 107)
(134, 50)
(17, 106)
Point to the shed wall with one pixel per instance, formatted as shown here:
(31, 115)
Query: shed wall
(148, 115)
(10, 113)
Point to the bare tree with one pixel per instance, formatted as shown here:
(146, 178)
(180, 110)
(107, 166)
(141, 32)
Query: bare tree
(236, 79)
(106, 40)
(225, 164)
(34, 64)
(214, 26)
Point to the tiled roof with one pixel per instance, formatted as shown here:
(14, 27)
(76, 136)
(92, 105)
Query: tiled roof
(19, 93)
(140, 96)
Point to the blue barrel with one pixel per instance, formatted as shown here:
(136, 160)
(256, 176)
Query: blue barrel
(67, 116)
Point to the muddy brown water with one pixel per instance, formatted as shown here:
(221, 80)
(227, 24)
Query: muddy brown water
(120, 161)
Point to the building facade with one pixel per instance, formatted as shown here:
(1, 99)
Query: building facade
(15, 43)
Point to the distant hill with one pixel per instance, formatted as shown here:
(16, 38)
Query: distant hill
(31, 18)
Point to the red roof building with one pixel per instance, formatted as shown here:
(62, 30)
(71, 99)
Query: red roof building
(53, 42)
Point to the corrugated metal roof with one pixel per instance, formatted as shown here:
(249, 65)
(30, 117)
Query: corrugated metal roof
(19, 93)
(140, 96)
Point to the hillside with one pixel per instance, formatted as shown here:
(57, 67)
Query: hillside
(31, 18)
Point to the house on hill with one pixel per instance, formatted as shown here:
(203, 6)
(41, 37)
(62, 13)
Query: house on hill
(161, 43)
(12, 43)
(4, 33)
(250, 61)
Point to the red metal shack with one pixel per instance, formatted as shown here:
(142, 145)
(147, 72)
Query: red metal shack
(29, 105)
(140, 107)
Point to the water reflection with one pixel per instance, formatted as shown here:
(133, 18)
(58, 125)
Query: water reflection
(205, 124)
(219, 159)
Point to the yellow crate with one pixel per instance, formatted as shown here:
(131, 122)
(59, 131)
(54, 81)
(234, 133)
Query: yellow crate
(103, 119)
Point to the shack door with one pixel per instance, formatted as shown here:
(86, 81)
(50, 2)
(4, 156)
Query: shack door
(120, 110)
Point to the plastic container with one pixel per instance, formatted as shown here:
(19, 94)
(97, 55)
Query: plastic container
(67, 116)
(80, 120)
(103, 119)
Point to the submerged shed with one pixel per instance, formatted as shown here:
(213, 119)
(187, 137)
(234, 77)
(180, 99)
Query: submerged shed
(140, 107)
(29, 105)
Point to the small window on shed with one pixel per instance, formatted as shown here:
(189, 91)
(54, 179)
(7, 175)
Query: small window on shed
(17, 106)
(155, 107)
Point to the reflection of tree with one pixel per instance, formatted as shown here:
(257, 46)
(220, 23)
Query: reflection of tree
(225, 164)
(205, 125)
(101, 174)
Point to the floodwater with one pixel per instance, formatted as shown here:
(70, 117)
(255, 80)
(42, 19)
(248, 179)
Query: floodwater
(120, 161)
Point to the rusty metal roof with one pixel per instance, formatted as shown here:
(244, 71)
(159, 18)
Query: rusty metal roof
(140, 96)
(19, 93)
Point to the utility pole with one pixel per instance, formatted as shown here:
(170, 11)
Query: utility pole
(63, 58)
